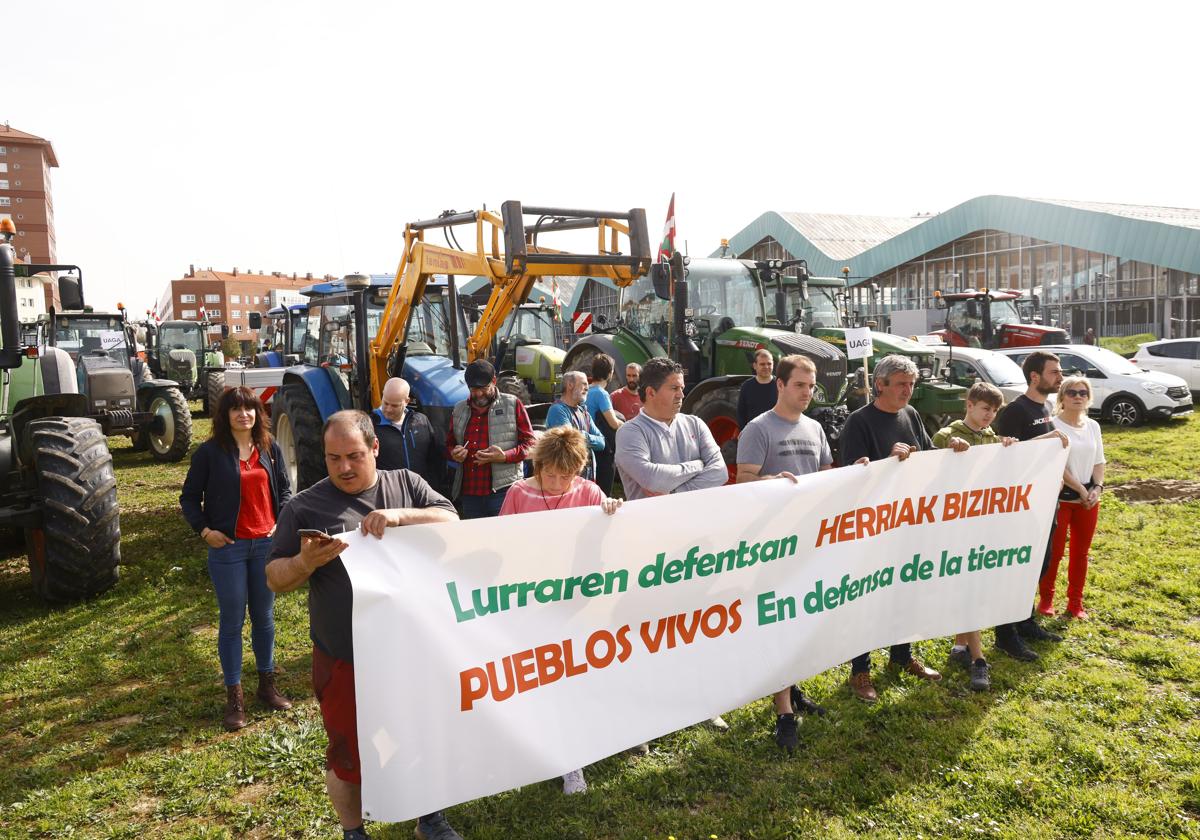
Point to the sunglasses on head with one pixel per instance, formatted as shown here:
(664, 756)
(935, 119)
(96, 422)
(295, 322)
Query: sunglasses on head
(1071, 392)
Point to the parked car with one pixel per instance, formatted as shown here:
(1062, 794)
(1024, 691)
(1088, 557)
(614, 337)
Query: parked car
(965, 365)
(1122, 392)
(1178, 356)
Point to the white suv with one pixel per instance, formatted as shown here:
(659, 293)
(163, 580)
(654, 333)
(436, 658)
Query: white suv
(1121, 391)
(1180, 356)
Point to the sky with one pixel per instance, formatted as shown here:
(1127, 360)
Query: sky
(301, 137)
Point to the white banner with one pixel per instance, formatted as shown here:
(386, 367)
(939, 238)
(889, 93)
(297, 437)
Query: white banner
(495, 653)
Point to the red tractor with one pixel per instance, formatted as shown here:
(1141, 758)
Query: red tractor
(991, 319)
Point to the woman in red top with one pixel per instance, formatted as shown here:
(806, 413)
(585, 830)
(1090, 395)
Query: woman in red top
(558, 457)
(233, 492)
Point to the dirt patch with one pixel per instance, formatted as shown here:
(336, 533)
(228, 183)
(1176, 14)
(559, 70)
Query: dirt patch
(1156, 490)
(249, 794)
(146, 804)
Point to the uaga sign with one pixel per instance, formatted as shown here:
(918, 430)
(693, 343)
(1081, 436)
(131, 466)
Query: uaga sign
(495, 653)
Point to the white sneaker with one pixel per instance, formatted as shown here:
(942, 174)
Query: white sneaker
(574, 782)
(719, 723)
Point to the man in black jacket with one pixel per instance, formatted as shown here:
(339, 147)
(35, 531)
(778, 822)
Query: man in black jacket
(406, 439)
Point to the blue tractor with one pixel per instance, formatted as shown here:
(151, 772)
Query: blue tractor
(283, 333)
(333, 373)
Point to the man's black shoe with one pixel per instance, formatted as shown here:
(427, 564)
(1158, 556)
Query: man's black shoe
(981, 679)
(434, 827)
(1011, 644)
(802, 704)
(1034, 632)
(787, 734)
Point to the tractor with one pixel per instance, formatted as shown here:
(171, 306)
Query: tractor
(179, 351)
(711, 316)
(120, 395)
(992, 320)
(281, 335)
(57, 483)
(364, 329)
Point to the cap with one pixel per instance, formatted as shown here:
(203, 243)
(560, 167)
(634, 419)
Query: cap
(480, 373)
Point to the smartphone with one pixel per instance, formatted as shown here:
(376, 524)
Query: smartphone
(320, 536)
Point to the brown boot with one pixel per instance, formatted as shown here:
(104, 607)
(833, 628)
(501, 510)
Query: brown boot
(235, 708)
(860, 684)
(269, 695)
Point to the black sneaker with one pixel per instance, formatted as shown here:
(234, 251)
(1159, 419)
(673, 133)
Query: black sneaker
(434, 827)
(802, 704)
(787, 732)
(359, 833)
(981, 680)
(961, 658)
(1034, 632)
(1011, 644)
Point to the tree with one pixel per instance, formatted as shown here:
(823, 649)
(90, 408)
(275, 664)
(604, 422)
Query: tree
(231, 347)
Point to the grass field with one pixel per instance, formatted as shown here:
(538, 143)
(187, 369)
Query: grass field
(110, 712)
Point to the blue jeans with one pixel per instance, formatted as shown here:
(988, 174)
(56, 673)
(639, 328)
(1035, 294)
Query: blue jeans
(483, 507)
(239, 576)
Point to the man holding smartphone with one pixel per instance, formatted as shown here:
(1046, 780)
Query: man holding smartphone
(355, 496)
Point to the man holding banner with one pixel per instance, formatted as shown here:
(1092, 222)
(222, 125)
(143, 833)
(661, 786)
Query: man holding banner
(783, 443)
(355, 496)
(889, 427)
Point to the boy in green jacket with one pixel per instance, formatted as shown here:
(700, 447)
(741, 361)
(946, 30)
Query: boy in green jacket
(984, 402)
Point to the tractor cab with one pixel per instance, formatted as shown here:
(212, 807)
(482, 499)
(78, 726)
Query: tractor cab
(991, 320)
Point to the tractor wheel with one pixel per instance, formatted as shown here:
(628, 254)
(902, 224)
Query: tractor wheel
(214, 387)
(76, 552)
(718, 410)
(168, 435)
(298, 432)
(512, 384)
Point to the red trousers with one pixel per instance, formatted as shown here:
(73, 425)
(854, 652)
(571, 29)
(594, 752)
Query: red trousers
(1080, 523)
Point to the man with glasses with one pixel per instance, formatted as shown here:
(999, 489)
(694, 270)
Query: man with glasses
(1025, 418)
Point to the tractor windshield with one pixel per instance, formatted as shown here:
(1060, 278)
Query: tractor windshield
(644, 312)
(92, 335)
(821, 310)
(299, 328)
(726, 288)
(429, 330)
(182, 337)
(535, 325)
(1005, 312)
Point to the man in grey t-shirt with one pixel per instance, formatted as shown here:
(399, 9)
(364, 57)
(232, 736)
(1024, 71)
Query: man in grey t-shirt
(783, 443)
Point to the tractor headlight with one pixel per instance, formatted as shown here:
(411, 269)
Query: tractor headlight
(100, 403)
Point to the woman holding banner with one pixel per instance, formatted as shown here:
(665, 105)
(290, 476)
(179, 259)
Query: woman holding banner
(558, 458)
(1079, 501)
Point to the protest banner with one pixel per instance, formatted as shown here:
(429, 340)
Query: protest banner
(495, 653)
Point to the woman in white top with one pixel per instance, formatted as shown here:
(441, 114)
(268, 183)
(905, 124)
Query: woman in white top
(1079, 502)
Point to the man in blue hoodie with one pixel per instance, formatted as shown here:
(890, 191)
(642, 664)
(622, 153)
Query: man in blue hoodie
(406, 439)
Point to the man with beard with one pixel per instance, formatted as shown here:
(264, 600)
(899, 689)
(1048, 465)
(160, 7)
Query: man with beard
(1025, 418)
(490, 435)
(571, 410)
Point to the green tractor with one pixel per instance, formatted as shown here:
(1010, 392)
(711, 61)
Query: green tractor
(57, 483)
(530, 354)
(818, 308)
(120, 396)
(712, 319)
(179, 351)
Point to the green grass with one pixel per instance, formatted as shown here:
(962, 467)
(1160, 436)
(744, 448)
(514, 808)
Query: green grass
(110, 714)
(1126, 345)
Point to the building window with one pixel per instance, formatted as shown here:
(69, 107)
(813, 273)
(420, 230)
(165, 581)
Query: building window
(187, 298)
(236, 313)
(3, 150)
(188, 313)
(5, 201)
(212, 298)
(215, 328)
(256, 298)
(235, 298)
(3, 185)
(214, 313)
(3, 167)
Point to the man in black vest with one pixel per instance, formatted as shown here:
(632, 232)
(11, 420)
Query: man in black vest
(406, 439)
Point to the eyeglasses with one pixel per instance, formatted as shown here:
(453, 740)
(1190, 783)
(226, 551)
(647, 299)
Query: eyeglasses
(1071, 392)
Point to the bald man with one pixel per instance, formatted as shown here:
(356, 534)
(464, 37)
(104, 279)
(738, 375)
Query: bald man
(406, 439)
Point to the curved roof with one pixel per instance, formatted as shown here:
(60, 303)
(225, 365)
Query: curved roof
(870, 245)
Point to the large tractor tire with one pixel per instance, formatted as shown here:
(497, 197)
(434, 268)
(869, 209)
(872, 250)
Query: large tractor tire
(214, 387)
(297, 425)
(510, 383)
(75, 554)
(718, 410)
(169, 435)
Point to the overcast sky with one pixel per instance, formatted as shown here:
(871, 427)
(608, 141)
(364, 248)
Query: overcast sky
(301, 136)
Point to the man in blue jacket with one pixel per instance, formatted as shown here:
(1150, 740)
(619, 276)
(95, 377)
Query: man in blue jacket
(571, 411)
